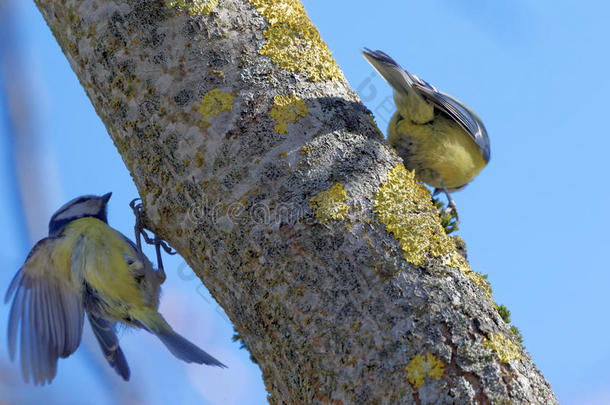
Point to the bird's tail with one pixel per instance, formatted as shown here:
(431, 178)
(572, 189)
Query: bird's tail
(177, 345)
(389, 69)
(109, 343)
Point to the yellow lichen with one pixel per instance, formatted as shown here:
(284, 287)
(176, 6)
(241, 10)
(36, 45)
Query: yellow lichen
(330, 204)
(199, 161)
(286, 110)
(193, 6)
(293, 42)
(305, 150)
(502, 345)
(403, 205)
(218, 73)
(214, 102)
(458, 261)
(422, 366)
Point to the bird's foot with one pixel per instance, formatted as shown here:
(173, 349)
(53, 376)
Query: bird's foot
(140, 232)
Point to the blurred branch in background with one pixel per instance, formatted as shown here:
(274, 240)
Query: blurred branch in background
(12, 101)
(31, 193)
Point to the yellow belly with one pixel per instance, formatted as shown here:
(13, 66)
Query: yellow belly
(437, 151)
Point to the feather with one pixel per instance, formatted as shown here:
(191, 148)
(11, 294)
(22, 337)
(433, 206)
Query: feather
(404, 82)
(46, 316)
(106, 336)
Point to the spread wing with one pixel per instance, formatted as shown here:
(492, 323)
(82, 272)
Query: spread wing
(403, 81)
(46, 317)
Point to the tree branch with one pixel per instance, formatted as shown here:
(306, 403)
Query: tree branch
(258, 163)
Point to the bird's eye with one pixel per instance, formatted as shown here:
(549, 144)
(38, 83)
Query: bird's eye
(139, 279)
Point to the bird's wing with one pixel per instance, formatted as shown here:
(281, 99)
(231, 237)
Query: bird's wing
(403, 81)
(46, 315)
(457, 111)
(106, 336)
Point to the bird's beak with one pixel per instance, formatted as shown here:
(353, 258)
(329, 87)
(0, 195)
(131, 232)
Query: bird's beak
(106, 197)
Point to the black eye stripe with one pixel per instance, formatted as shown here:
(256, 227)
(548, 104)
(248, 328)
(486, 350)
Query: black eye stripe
(80, 207)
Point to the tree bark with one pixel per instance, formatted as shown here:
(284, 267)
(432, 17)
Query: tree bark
(258, 163)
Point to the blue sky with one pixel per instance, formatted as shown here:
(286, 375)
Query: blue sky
(536, 219)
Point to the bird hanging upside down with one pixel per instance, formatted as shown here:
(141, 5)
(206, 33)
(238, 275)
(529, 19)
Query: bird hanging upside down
(435, 134)
(85, 266)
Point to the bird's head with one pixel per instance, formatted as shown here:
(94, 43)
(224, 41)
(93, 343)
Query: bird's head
(80, 207)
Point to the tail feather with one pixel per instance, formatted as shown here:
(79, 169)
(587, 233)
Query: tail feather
(154, 322)
(185, 350)
(106, 336)
(390, 70)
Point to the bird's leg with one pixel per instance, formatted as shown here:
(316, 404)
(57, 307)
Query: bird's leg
(160, 243)
(156, 240)
(450, 203)
(138, 228)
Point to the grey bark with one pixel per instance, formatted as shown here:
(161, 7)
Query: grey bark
(326, 300)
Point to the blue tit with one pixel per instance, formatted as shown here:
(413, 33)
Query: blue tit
(85, 266)
(435, 134)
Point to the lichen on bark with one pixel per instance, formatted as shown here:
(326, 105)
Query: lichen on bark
(331, 309)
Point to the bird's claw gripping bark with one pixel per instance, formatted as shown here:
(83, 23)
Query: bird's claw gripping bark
(140, 232)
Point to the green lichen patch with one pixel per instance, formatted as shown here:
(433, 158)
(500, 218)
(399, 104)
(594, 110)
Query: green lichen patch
(293, 42)
(193, 6)
(502, 345)
(330, 204)
(422, 366)
(214, 102)
(286, 110)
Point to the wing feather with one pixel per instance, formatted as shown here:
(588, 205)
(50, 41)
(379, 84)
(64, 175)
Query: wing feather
(460, 113)
(46, 317)
(403, 81)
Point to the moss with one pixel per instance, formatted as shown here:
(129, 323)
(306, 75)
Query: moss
(293, 42)
(330, 204)
(214, 102)
(193, 6)
(422, 366)
(500, 344)
(517, 333)
(286, 110)
(449, 220)
(242, 345)
(504, 313)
